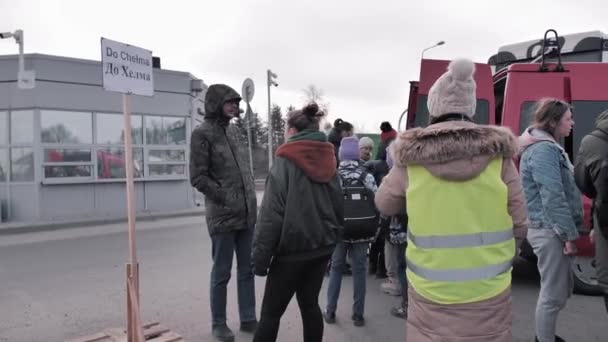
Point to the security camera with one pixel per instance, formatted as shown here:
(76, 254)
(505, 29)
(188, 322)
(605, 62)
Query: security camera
(4, 35)
(276, 84)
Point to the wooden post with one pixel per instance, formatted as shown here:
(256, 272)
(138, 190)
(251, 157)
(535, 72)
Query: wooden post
(134, 328)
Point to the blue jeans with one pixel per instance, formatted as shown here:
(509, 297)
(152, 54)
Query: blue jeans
(401, 274)
(358, 255)
(224, 245)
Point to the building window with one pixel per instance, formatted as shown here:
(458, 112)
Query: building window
(110, 129)
(22, 127)
(166, 162)
(67, 163)
(167, 170)
(111, 163)
(17, 154)
(163, 130)
(3, 164)
(3, 128)
(66, 141)
(3, 146)
(59, 127)
(81, 146)
(22, 164)
(166, 146)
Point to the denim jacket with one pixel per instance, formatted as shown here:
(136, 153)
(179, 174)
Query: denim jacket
(554, 201)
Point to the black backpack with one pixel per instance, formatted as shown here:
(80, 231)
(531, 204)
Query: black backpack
(360, 215)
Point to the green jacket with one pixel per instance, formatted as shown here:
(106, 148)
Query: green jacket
(591, 173)
(302, 213)
(219, 167)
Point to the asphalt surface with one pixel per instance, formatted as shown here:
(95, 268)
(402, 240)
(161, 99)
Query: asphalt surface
(64, 284)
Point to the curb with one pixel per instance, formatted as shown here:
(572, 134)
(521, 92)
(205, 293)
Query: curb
(35, 227)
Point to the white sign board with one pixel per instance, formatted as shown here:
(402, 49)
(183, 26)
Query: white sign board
(248, 90)
(126, 69)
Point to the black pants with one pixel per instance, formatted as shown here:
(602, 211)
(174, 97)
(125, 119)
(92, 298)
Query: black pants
(304, 278)
(376, 255)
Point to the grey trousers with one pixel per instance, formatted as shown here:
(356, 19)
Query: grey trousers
(601, 256)
(556, 281)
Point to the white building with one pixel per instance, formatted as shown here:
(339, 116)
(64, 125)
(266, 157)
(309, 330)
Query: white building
(61, 146)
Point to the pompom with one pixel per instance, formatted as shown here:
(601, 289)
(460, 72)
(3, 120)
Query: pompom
(462, 69)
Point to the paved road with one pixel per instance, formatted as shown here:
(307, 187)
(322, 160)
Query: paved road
(64, 284)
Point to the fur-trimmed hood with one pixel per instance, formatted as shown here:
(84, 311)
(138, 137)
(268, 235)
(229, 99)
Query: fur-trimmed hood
(455, 150)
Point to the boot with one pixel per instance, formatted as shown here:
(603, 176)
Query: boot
(223, 333)
(373, 267)
(381, 268)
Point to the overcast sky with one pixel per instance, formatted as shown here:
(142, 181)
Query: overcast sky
(361, 53)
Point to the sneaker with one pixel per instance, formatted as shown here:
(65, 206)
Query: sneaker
(358, 320)
(329, 317)
(391, 287)
(399, 312)
(223, 333)
(249, 326)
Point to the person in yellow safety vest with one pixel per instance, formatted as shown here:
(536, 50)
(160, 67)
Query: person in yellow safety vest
(467, 213)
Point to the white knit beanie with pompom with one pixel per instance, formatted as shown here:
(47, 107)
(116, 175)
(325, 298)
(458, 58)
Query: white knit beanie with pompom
(454, 91)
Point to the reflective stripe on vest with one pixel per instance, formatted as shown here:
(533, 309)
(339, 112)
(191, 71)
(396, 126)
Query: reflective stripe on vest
(460, 241)
(460, 249)
(478, 273)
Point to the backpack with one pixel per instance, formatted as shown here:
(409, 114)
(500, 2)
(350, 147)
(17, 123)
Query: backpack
(360, 215)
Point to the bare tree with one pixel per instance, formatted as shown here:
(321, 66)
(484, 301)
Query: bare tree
(314, 94)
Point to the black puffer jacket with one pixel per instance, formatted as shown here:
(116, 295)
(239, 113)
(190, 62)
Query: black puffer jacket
(219, 167)
(591, 173)
(302, 213)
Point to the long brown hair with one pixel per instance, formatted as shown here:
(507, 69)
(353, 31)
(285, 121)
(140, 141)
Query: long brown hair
(548, 114)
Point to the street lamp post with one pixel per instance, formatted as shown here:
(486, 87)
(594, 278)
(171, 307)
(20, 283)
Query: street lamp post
(439, 43)
(271, 76)
(26, 79)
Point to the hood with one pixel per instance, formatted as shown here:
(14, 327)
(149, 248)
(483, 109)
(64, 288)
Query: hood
(315, 158)
(216, 96)
(453, 150)
(531, 136)
(388, 136)
(602, 122)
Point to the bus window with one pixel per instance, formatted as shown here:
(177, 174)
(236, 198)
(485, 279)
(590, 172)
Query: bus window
(482, 112)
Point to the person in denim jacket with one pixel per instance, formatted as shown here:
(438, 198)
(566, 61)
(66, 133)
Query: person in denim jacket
(554, 209)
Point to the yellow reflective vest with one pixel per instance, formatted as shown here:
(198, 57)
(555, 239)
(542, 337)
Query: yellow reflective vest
(460, 236)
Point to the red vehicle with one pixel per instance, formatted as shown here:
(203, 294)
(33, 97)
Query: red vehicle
(527, 72)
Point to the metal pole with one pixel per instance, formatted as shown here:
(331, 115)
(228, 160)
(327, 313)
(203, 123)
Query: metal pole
(401, 118)
(249, 141)
(430, 47)
(19, 39)
(268, 83)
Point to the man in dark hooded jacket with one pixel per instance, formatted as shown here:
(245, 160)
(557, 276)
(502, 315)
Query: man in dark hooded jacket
(219, 169)
(591, 175)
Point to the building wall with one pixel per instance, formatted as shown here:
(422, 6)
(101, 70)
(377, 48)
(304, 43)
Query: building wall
(64, 159)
